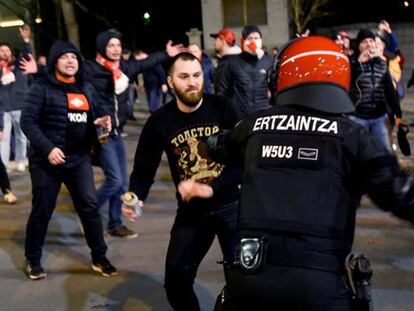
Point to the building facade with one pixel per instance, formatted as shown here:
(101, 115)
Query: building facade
(270, 15)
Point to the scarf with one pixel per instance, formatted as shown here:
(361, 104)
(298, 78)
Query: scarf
(64, 80)
(7, 76)
(121, 81)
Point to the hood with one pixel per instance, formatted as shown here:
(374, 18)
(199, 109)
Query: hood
(102, 40)
(233, 50)
(59, 48)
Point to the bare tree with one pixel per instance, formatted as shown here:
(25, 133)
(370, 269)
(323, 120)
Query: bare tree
(304, 11)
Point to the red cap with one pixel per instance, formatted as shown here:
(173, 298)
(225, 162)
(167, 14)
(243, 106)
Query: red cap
(225, 34)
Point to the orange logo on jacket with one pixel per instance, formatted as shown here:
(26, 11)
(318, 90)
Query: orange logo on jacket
(77, 102)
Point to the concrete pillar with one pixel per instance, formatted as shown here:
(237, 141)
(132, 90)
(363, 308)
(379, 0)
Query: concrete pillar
(275, 32)
(194, 36)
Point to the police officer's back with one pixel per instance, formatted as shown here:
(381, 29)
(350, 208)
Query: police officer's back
(305, 168)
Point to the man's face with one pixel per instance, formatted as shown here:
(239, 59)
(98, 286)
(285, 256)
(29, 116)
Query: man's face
(42, 60)
(253, 39)
(218, 45)
(195, 50)
(367, 44)
(113, 49)
(187, 81)
(126, 56)
(5, 53)
(347, 42)
(67, 65)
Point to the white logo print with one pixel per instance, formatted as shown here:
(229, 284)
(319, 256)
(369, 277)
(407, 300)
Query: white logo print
(308, 154)
(78, 117)
(272, 151)
(76, 102)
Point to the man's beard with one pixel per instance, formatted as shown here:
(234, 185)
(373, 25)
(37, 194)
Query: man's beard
(189, 99)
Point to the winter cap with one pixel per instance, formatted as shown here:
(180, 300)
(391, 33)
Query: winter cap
(58, 49)
(103, 38)
(247, 30)
(225, 34)
(364, 34)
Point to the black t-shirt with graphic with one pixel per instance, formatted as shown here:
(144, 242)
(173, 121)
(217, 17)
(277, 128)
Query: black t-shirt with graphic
(182, 136)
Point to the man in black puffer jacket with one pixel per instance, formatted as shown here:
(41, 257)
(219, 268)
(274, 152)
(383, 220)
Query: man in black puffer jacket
(372, 90)
(243, 78)
(59, 123)
(110, 74)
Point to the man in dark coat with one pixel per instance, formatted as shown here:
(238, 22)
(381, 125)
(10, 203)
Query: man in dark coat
(110, 75)
(59, 123)
(243, 78)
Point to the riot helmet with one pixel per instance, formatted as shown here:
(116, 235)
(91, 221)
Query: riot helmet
(313, 72)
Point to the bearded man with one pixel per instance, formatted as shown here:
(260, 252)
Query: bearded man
(179, 128)
(244, 78)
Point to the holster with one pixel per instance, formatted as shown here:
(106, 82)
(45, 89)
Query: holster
(251, 254)
(359, 273)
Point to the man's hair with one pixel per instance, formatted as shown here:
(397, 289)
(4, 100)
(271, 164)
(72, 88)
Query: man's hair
(5, 44)
(185, 56)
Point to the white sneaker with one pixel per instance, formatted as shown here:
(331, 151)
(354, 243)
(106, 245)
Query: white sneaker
(20, 167)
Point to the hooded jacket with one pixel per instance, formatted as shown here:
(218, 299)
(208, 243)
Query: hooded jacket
(107, 103)
(45, 119)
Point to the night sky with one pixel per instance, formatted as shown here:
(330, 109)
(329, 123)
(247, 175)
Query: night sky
(170, 19)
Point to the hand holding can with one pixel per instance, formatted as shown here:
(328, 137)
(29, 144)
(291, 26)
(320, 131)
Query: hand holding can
(131, 201)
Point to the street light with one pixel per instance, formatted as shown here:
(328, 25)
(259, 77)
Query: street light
(147, 18)
(406, 4)
(12, 23)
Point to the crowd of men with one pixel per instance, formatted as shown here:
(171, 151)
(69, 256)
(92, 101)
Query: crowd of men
(243, 138)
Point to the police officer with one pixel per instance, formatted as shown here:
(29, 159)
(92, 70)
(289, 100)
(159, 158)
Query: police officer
(305, 167)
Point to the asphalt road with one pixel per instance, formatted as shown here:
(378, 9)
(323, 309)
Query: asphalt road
(72, 285)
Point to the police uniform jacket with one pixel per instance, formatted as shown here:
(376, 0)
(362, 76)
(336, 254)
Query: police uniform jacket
(303, 175)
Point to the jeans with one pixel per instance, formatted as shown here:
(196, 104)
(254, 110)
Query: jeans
(376, 127)
(46, 183)
(112, 159)
(191, 238)
(13, 118)
(154, 99)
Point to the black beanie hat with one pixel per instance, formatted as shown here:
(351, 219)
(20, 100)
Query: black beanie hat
(103, 38)
(363, 34)
(247, 30)
(58, 49)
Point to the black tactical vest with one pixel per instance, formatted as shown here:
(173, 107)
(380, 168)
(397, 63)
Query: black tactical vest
(295, 162)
